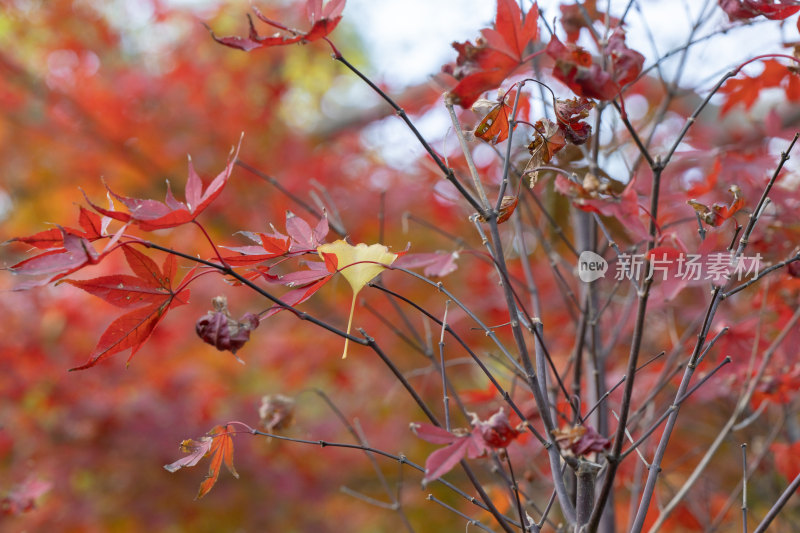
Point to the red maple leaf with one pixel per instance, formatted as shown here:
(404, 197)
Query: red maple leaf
(493, 128)
(495, 55)
(323, 20)
(218, 444)
(149, 292)
(771, 9)
(152, 214)
(54, 237)
(746, 90)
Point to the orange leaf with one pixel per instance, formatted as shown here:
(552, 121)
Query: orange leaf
(221, 452)
(494, 126)
(219, 445)
(717, 213)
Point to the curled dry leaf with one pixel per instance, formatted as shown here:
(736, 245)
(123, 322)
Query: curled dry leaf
(580, 440)
(570, 114)
(549, 139)
(220, 330)
(507, 206)
(718, 213)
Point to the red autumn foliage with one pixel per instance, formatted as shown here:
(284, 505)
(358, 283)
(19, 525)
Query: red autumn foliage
(89, 94)
(578, 70)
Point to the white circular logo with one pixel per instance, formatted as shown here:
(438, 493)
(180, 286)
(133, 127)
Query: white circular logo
(591, 266)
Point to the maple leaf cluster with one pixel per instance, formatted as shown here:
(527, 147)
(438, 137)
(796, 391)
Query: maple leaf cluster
(578, 70)
(495, 55)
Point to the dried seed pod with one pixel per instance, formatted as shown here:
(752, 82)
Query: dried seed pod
(276, 412)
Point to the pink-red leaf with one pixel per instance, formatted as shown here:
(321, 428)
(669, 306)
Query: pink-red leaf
(197, 449)
(299, 278)
(76, 253)
(432, 434)
(323, 21)
(443, 460)
(297, 296)
(152, 215)
(436, 264)
(300, 232)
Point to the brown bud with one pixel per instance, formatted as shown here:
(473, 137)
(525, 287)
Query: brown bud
(276, 412)
(497, 432)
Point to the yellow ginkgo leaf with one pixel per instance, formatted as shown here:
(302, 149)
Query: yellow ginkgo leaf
(358, 264)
